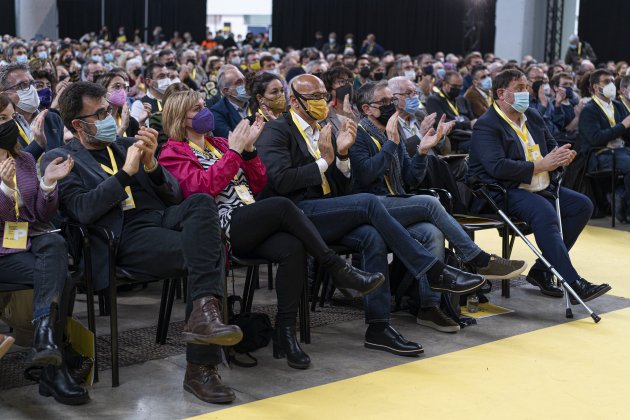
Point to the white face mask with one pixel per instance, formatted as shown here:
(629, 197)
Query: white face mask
(609, 91)
(411, 75)
(163, 84)
(547, 89)
(175, 80)
(29, 100)
(627, 95)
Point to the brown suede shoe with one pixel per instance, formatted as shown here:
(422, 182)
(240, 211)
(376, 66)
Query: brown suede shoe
(204, 382)
(206, 327)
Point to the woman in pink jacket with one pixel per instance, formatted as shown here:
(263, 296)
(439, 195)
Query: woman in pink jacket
(275, 229)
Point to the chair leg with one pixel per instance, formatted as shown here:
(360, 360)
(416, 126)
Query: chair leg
(89, 291)
(173, 287)
(113, 322)
(305, 321)
(270, 276)
(248, 292)
(178, 289)
(612, 199)
(102, 306)
(319, 274)
(160, 326)
(185, 288)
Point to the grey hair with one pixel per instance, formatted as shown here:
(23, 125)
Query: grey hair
(5, 71)
(394, 82)
(309, 66)
(365, 94)
(398, 64)
(221, 80)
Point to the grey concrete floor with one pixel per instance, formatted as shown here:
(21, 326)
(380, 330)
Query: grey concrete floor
(154, 389)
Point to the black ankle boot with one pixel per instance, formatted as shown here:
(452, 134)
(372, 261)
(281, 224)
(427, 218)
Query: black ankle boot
(45, 351)
(285, 344)
(55, 381)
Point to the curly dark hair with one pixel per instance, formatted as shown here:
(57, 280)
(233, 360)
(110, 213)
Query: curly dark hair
(257, 85)
(335, 72)
(71, 100)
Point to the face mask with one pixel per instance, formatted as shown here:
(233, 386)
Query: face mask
(349, 40)
(163, 84)
(255, 66)
(105, 130)
(42, 54)
(118, 97)
(278, 105)
(546, 89)
(96, 58)
(241, 94)
(332, 40)
(572, 46)
(379, 75)
(67, 60)
(109, 57)
(428, 69)
(569, 92)
(364, 72)
(486, 83)
(441, 73)
(29, 100)
(412, 104)
(274, 71)
(22, 58)
(609, 91)
(521, 101)
(137, 72)
(454, 92)
(9, 135)
(317, 109)
(342, 91)
(276, 57)
(410, 74)
(236, 61)
(386, 113)
(175, 80)
(203, 122)
(45, 97)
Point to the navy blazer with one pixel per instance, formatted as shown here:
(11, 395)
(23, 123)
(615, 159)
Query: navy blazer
(53, 129)
(291, 168)
(439, 105)
(595, 130)
(226, 117)
(369, 164)
(496, 153)
(90, 196)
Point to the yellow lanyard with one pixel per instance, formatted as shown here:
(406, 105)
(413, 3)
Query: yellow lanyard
(193, 74)
(16, 195)
(114, 169)
(213, 150)
(315, 152)
(378, 146)
(159, 104)
(453, 107)
(120, 125)
(624, 104)
(22, 133)
(611, 117)
(522, 133)
(579, 49)
(263, 115)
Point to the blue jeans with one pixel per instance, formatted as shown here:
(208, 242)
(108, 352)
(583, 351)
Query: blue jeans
(362, 223)
(540, 213)
(603, 161)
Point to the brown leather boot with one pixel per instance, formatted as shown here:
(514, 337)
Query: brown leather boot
(206, 327)
(204, 382)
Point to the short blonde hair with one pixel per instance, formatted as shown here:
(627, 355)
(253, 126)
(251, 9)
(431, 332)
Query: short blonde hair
(175, 110)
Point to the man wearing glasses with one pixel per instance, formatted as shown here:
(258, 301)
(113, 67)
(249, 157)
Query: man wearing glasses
(308, 165)
(118, 184)
(39, 131)
(232, 108)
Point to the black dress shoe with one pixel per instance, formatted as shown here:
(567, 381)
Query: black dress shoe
(55, 381)
(285, 344)
(349, 277)
(587, 291)
(453, 280)
(45, 351)
(544, 281)
(390, 340)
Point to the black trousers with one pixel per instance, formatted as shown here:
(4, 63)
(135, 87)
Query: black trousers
(277, 230)
(183, 240)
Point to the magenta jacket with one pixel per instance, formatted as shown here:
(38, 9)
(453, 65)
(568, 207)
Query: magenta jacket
(38, 209)
(177, 158)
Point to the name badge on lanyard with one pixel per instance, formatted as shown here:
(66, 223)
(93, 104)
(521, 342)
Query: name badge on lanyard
(244, 194)
(15, 233)
(533, 153)
(128, 204)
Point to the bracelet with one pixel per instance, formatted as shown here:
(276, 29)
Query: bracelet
(153, 169)
(343, 157)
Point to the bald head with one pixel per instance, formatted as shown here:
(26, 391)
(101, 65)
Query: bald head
(307, 90)
(307, 84)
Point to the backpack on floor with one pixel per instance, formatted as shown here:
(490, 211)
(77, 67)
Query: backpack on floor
(257, 332)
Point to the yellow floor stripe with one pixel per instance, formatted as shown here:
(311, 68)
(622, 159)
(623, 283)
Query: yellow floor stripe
(578, 370)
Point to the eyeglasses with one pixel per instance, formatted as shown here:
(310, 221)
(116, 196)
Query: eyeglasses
(343, 82)
(383, 102)
(21, 86)
(313, 96)
(100, 114)
(41, 84)
(118, 86)
(407, 94)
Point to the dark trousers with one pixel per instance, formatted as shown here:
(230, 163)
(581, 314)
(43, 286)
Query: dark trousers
(276, 230)
(44, 267)
(540, 213)
(181, 241)
(603, 161)
(362, 223)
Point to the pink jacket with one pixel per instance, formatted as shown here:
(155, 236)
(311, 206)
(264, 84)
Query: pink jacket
(177, 158)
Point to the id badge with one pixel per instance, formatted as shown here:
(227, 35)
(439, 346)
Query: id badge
(128, 204)
(244, 194)
(533, 153)
(15, 235)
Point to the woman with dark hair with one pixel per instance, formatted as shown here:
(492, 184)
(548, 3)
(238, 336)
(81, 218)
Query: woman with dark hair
(275, 228)
(34, 255)
(267, 96)
(338, 81)
(117, 89)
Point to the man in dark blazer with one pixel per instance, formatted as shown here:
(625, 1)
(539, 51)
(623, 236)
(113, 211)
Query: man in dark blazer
(511, 146)
(603, 123)
(157, 234)
(232, 108)
(306, 164)
(447, 101)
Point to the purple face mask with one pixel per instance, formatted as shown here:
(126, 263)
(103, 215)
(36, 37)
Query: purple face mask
(118, 97)
(203, 122)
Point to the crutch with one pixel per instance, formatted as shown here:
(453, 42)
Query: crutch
(569, 312)
(478, 187)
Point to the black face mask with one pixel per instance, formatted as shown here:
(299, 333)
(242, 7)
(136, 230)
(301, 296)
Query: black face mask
(342, 91)
(8, 135)
(386, 113)
(193, 62)
(379, 76)
(137, 72)
(170, 64)
(428, 69)
(318, 75)
(364, 72)
(454, 92)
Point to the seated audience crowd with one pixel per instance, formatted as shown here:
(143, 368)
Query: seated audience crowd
(195, 153)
